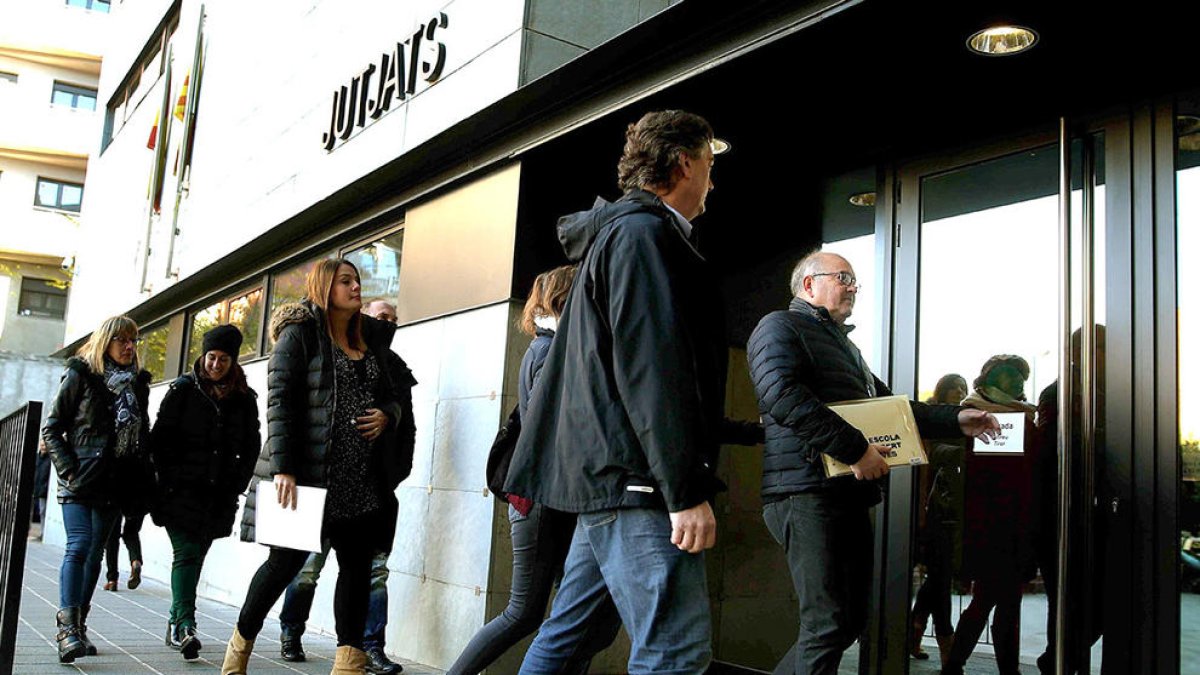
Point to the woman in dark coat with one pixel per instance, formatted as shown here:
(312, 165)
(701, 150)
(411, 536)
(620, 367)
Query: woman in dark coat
(997, 555)
(332, 421)
(541, 536)
(97, 432)
(205, 442)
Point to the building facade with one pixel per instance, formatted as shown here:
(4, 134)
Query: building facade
(990, 205)
(49, 70)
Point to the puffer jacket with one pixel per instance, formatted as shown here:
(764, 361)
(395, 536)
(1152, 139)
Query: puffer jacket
(801, 360)
(79, 434)
(300, 401)
(204, 452)
(629, 406)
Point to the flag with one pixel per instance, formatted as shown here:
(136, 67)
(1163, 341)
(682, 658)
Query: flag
(153, 133)
(181, 102)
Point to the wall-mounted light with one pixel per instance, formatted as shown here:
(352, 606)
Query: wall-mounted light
(1187, 130)
(1002, 40)
(863, 199)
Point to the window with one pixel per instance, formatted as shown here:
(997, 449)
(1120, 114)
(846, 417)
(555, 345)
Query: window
(287, 285)
(55, 194)
(42, 298)
(378, 266)
(102, 6)
(243, 310)
(72, 96)
(7, 77)
(140, 78)
(152, 351)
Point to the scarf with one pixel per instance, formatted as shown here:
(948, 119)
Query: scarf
(119, 380)
(215, 389)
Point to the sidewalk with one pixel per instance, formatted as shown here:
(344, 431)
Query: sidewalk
(128, 627)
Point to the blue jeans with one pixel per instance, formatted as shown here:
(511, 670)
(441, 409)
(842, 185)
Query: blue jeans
(626, 557)
(298, 600)
(829, 545)
(87, 529)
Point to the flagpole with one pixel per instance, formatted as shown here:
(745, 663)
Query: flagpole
(160, 154)
(185, 159)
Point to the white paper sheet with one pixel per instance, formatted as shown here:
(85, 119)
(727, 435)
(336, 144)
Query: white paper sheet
(299, 529)
(1011, 440)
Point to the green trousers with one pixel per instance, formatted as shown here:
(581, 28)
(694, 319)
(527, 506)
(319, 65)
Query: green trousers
(189, 550)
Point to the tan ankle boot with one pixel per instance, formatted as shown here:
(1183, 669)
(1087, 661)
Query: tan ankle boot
(349, 661)
(237, 654)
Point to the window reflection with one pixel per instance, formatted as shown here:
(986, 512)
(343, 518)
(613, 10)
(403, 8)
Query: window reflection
(1187, 203)
(378, 266)
(243, 311)
(152, 352)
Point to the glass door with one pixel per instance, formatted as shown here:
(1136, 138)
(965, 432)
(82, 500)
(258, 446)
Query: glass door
(997, 305)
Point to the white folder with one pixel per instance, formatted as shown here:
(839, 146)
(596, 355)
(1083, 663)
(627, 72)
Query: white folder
(298, 528)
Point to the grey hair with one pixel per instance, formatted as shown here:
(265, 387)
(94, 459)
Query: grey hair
(806, 267)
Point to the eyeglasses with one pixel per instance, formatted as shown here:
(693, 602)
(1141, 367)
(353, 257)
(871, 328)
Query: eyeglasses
(135, 341)
(844, 278)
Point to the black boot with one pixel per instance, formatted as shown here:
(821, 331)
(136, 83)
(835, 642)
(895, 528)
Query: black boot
(379, 664)
(189, 644)
(172, 639)
(290, 648)
(90, 649)
(70, 647)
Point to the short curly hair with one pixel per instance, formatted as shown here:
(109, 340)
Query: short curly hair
(654, 146)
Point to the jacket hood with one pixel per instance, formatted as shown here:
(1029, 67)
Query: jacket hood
(577, 231)
(376, 333)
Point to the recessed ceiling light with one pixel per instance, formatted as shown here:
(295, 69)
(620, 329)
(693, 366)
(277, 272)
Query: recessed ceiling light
(1002, 40)
(1187, 130)
(720, 146)
(863, 199)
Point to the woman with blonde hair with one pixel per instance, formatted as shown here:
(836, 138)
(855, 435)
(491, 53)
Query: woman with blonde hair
(332, 414)
(541, 536)
(97, 431)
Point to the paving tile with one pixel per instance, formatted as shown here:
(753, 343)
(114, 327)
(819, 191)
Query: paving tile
(128, 626)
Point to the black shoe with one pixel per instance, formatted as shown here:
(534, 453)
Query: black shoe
(135, 575)
(290, 648)
(70, 647)
(190, 645)
(89, 649)
(173, 636)
(379, 664)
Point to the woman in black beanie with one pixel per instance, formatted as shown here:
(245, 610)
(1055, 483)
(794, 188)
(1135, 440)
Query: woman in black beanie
(205, 442)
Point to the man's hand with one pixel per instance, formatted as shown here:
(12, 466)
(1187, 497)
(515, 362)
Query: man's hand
(285, 490)
(980, 424)
(695, 529)
(871, 465)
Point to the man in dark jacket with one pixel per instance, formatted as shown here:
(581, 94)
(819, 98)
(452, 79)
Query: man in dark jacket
(623, 426)
(801, 360)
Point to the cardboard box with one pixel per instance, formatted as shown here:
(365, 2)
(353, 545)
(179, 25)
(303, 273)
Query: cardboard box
(888, 421)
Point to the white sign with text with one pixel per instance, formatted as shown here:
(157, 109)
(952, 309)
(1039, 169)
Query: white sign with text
(1011, 440)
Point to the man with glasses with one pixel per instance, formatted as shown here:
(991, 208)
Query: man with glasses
(801, 359)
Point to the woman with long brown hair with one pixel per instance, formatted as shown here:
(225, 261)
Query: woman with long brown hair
(541, 536)
(329, 400)
(97, 432)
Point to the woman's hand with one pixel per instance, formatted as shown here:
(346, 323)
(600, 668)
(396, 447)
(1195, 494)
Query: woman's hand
(372, 424)
(285, 490)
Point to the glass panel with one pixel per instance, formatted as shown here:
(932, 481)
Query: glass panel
(64, 98)
(986, 536)
(1187, 205)
(203, 321)
(152, 352)
(47, 193)
(378, 266)
(245, 312)
(72, 197)
(288, 284)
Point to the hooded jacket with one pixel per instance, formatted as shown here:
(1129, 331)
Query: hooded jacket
(300, 400)
(204, 452)
(801, 360)
(79, 434)
(630, 399)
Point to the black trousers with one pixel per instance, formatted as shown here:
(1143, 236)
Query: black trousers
(354, 541)
(828, 542)
(128, 531)
(540, 544)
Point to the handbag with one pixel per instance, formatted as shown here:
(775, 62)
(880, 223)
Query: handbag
(500, 456)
